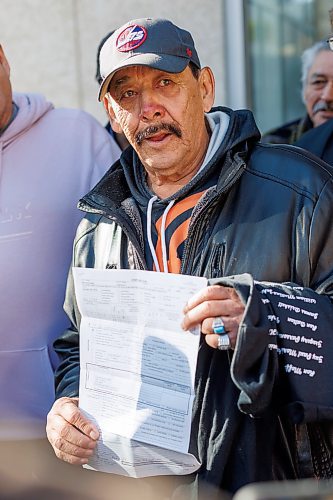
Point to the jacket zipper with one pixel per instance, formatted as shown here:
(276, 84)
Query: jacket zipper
(195, 228)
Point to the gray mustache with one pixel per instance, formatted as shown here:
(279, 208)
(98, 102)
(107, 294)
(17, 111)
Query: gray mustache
(154, 129)
(322, 106)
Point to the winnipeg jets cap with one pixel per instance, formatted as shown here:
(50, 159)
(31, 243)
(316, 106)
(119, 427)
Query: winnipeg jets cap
(157, 43)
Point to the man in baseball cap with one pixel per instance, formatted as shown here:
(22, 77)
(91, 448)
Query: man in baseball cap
(197, 194)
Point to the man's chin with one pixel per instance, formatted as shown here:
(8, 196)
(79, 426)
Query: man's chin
(322, 117)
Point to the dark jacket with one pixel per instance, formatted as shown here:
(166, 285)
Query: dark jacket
(319, 141)
(288, 133)
(269, 215)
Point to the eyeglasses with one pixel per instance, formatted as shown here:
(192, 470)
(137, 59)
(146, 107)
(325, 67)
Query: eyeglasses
(330, 42)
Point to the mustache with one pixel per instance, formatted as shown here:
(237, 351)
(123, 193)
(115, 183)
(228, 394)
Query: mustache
(154, 129)
(322, 106)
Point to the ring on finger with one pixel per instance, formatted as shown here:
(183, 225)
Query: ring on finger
(218, 326)
(223, 342)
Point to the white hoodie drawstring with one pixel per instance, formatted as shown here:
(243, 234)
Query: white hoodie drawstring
(150, 241)
(164, 251)
(151, 246)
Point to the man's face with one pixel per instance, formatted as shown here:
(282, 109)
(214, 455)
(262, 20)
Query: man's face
(5, 91)
(318, 94)
(162, 115)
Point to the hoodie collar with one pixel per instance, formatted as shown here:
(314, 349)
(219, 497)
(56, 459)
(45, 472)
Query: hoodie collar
(13, 116)
(31, 107)
(232, 131)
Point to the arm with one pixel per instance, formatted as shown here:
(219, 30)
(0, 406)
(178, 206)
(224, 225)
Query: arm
(72, 436)
(67, 375)
(284, 336)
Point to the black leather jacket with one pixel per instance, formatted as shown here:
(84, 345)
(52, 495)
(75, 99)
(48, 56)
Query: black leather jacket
(269, 215)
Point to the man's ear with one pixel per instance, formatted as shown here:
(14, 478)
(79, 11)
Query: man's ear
(112, 117)
(207, 88)
(3, 61)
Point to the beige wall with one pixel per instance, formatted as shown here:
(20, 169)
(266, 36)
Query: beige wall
(51, 44)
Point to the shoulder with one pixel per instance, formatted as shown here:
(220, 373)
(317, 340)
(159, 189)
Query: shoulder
(76, 117)
(283, 134)
(318, 140)
(291, 166)
(113, 181)
(79, 127)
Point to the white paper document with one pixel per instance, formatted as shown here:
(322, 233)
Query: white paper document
(137, 369)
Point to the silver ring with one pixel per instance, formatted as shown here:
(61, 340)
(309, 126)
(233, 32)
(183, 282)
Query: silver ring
(218, 326)
(223, 342)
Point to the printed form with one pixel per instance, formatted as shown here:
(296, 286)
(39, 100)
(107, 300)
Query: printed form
(137, 369)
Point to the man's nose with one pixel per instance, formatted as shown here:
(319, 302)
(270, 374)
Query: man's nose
(327, 92)
(150, 107)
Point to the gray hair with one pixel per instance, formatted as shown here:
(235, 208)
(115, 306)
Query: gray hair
(308, 58)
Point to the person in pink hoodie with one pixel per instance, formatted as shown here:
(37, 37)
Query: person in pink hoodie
(49, 158)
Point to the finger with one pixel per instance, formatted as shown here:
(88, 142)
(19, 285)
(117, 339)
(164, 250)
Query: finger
(69, 442)
(60, 429)
(212, 340)
(214, 292)
(211, 309)
(231, 329)
(67, 451)
(229, 322)
(68, 409)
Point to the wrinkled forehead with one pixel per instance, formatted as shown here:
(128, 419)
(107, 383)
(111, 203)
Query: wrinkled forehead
(322, 65)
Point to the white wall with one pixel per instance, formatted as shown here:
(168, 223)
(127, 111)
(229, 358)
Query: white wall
(51, 44)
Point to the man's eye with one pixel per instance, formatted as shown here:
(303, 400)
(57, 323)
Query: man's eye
(128, 93)
(318, 83)
(165, 82)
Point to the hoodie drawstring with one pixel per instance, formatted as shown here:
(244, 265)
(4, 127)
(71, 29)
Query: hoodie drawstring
(163, 243)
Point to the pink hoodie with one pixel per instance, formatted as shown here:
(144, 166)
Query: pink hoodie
(49, 158)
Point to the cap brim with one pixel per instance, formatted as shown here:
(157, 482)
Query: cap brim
(171, 64)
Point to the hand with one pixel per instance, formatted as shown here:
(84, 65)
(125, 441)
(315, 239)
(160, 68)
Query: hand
(71, 435)
(210, 303)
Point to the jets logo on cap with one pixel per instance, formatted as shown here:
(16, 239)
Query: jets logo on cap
(131, 38)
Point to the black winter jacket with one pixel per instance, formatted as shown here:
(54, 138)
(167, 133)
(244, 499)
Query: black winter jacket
(288, 133)
(318, 140)
(268, 219)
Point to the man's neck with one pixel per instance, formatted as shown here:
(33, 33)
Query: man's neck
(165, 187)
(10, 118)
